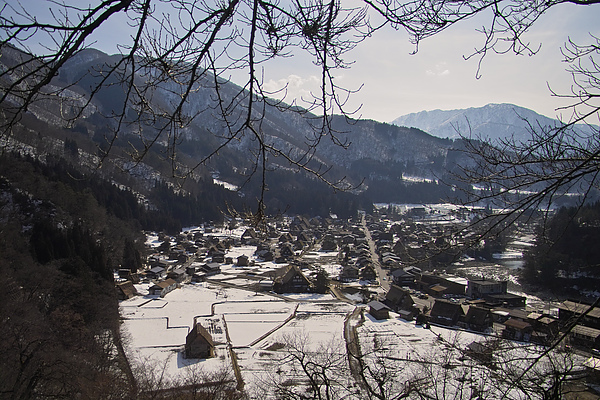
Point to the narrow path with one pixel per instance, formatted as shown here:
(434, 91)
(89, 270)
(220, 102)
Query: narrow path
(288, 319)
(353, 351)
(236, 368)
(381, 274)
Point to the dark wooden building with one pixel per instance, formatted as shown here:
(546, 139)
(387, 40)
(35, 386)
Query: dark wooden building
(446, 313)
(291, 280)
(379, 310)
(199, 343)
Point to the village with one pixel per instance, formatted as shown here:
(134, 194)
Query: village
(243, 299)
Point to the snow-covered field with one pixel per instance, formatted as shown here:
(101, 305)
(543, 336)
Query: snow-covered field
(156, 328)
(262, 327)
(263, 330)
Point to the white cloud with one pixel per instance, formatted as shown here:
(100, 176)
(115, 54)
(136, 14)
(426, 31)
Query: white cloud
(293, 87)
(440, 69)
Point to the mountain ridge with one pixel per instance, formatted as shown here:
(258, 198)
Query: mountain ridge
(493, 121)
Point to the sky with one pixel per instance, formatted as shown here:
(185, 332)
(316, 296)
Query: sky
(437, 77)
(393, 82)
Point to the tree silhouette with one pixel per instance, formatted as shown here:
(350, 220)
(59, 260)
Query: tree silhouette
(179, 47)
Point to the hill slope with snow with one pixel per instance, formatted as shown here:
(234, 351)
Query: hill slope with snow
(492, 121)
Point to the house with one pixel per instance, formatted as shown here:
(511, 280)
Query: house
(480, 288)
(494, 292)
(218, 256)
(242, 261)
(455, 285)
(585, 336)
(378, 310)
(368, 273)
(328, 243)
(546, 325)
(162, 288)
(437, 285)
(156, 273)
(211, 269)
(124, 273)
(126, 290)
(478, 319)
(445, 312)
(416, 272)
(399, 299)
(304, 238)
(403, 278)
(199, 343)
(291, 280)
(349, 273)
(265, 254)
(178, 274)
(568, 311)
(249, 237)
(286, 238)
(286, 251)
(517, 329)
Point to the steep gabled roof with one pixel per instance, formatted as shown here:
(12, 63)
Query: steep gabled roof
(200, 331)
(477, 315)
(127, 289)
(395, 295)
(444, 308)
(286, 274)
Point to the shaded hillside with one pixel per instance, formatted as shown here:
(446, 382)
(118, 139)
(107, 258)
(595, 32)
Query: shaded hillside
(566, 253)
(58, 306)
(371, 158)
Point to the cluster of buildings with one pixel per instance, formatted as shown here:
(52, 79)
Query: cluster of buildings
(477, 304)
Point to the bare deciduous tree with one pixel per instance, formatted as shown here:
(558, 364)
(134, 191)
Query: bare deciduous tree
(176, 48)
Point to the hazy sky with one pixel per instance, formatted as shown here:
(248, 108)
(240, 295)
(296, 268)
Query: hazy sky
(437, 77)
(395, 83)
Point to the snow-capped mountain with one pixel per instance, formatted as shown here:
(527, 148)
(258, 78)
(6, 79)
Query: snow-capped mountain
(492, 121)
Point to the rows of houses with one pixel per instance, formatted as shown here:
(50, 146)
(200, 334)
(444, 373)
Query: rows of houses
(583, 321)
(482, 305)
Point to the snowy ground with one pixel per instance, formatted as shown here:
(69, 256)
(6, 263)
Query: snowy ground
(156, 327)
(260, 327)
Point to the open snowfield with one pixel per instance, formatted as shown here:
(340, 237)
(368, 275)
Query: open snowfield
(156, 327)
(260, 327)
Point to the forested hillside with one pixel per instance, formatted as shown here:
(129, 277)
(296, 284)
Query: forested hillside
(566, 254)
(58, 306)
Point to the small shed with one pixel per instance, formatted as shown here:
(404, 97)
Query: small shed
(243, 261)
(379, 310)
(163, 287)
